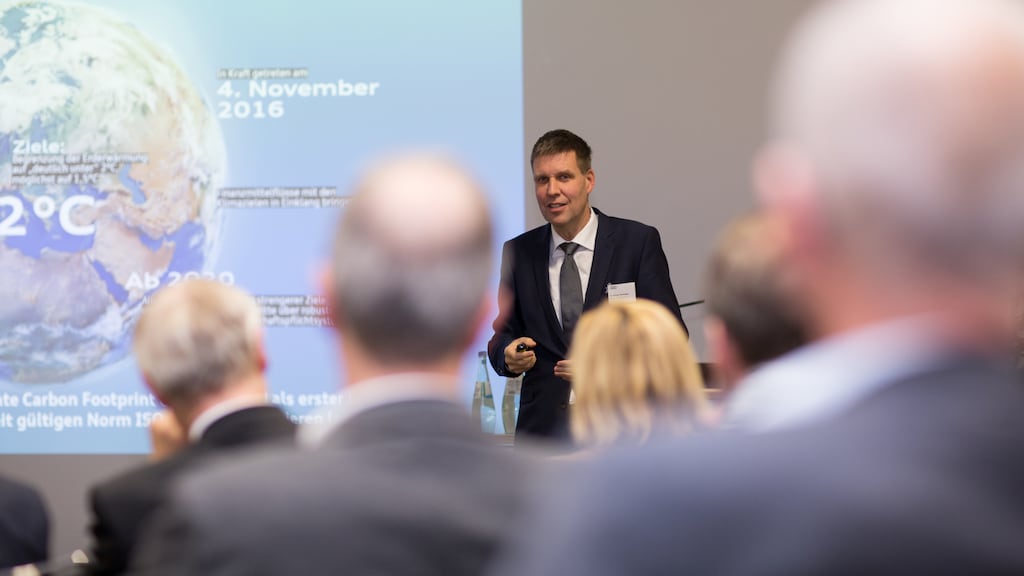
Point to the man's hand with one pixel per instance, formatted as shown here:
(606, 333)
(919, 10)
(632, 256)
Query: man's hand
(519, 355)
(166, 434)
(563, 370)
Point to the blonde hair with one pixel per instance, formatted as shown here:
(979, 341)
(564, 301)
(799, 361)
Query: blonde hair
(633, 373)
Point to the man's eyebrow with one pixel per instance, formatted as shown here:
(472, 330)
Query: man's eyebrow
(553, 175)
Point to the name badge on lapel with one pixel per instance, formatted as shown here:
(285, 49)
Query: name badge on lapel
(625, 292)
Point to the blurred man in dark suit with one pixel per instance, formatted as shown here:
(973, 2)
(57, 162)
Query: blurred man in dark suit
(402, 482)
(897, 173)
(552, 274)
(199, 346)
(24, 525)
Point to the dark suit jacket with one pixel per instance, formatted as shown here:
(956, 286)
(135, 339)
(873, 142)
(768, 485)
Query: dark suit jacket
(625, 251)
(122, 504)
(406, 488)
(24, 525)
(924, 477)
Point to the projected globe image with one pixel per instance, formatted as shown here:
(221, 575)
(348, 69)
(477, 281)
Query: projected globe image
(109, 165)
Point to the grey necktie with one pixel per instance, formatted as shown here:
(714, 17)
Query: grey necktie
(570, 289)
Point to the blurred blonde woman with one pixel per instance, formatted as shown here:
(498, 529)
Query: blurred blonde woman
(634, 376)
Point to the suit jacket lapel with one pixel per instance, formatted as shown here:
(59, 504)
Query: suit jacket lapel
(604, 250)
(543, 280)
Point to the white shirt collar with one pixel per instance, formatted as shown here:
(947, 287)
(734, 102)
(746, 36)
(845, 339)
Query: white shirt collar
(206, 419)
(826, 378)
(372, 393)
(587, 237)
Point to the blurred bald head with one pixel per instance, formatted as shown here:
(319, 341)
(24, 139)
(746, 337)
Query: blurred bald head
(904, 120)
(412, 261)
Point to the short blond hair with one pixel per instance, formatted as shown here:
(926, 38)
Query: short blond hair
(196, 337)
(634, 373)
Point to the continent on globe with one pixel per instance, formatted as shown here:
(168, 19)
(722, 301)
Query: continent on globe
(110, 162)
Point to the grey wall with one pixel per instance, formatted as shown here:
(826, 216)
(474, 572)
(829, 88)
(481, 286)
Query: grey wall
(669, 93)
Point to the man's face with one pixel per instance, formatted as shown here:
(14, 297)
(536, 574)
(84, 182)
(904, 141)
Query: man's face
(563, 192)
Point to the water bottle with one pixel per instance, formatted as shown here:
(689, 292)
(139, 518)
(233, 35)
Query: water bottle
(510, 403)
(483, 398)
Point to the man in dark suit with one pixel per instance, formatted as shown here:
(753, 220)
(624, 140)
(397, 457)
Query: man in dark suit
(553, 273)
(896, 175)
(199, 347)
(24, 525)
(401, 481)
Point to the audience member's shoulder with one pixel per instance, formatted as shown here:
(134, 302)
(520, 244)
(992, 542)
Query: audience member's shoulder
(140, 488)
(251, 466)
(700, 460)
(529, 235)
(728, 466)
(153, 477)
(14, 491)
(626, 226)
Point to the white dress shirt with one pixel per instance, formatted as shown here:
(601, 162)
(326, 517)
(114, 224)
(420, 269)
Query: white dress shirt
(214, 413)
(823, 379)
(584, 257)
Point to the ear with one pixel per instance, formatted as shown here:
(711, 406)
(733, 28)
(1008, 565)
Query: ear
(261, 352)
(787, 189)
(154, 391)
(728, 366)
(590, 179)
(325, 278)
(781, 175)
(485, 312)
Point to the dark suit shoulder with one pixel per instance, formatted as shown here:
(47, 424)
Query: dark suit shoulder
(12, 491)
(24, 524)
(531, 236)
(123, 504)
(144, 478)
(248, 426)
(23, 502)
(624, 225)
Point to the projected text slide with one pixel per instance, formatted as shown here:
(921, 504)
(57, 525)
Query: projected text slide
(145, 143)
